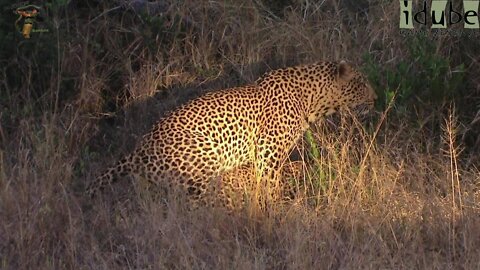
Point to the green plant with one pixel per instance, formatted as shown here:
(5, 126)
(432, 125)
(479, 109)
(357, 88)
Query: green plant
(425, 76)
(321, 176)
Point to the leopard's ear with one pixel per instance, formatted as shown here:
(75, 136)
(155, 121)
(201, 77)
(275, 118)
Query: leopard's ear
(345, 71)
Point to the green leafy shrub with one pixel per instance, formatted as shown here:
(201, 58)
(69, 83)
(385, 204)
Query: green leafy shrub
(424, 76)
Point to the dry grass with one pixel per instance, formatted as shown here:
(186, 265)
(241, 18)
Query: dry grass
(394, 196)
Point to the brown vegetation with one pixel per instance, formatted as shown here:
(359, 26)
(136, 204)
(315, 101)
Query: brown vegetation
(402, 192)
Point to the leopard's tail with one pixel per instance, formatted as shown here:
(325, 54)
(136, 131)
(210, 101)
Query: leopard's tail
(111, 175)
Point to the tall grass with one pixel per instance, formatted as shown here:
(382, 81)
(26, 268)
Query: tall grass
(399, 193)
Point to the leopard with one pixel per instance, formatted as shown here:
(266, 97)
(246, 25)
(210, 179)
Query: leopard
(191, 147)
(239, 185)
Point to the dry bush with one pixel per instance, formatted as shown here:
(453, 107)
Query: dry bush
(382, 208)
(393, 195)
